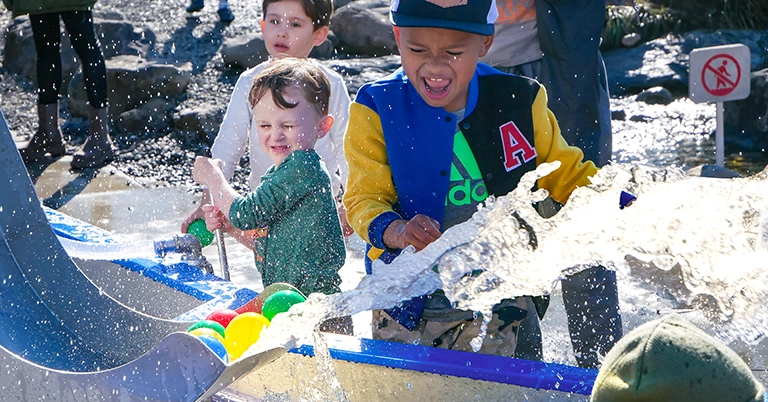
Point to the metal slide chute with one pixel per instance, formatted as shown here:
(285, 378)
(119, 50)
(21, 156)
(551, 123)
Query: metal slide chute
(63, 338)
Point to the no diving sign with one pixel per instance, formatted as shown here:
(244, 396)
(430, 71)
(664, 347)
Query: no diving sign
(719, 73)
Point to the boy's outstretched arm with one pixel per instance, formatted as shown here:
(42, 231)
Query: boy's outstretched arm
(208, 172)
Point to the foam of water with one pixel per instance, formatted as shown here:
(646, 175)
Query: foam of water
(702, 239)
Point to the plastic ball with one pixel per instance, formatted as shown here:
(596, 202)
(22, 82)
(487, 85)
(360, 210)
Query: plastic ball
(223, 316)
(197, 228)
(208, 324)
(242, 332)
(255, 304)
(206, 332)
(280, 302)
(216, 346)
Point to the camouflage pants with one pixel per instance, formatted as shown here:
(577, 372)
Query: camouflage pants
(454, 335)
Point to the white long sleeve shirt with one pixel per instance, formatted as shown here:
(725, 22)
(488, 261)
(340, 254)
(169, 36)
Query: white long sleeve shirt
(238, 131)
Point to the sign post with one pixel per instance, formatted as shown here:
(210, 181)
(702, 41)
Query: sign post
(719, 74)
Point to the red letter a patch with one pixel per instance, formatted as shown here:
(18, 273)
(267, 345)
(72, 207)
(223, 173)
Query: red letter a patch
(515, 146)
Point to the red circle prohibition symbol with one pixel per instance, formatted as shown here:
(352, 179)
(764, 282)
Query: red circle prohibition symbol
(724, 83)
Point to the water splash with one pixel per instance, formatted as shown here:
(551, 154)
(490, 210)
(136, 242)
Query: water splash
(702, 239)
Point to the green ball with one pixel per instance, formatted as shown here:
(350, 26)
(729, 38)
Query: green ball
(208, 324)
(280, 302)
(197, 228)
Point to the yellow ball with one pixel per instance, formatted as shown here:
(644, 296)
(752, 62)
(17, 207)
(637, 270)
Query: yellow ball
(242, 332)
(208, 332)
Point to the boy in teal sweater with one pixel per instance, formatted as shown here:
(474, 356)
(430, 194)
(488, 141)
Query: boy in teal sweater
(290, 219)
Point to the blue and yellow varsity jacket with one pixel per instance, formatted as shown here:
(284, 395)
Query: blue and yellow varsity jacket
(400, 151)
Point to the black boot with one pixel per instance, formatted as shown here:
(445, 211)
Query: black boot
(47, 138)
(591, 302)
(97, 150)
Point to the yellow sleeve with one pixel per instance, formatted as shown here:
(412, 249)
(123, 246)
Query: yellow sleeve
(551, 146)
(370, 190)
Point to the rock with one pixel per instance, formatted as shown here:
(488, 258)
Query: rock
(123, 38)
(245, 51)
(357, 72)
(326, 50)
(712, 171)
(115, 37)
(363, 28)
(132, 81)
(202, 120)
(756, 41)
(746, 120)
(638, 118)
(659, 62)
(655, 96)
(151, 116)
(631, 39)
(618, 115)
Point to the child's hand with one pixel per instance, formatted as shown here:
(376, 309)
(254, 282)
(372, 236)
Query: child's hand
(196, 214)
(215, 219)
(345, 228)
(419, 232)
(206, 169)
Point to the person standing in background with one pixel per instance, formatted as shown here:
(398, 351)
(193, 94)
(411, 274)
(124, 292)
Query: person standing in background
(44, 18)
(225, 14)
(558, 44)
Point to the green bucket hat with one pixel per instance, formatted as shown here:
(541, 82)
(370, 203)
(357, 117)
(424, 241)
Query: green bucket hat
(670, 359)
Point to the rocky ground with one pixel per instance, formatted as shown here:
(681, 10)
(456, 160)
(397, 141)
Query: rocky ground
(165, 158)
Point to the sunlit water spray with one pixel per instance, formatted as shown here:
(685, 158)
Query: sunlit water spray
(702, 240)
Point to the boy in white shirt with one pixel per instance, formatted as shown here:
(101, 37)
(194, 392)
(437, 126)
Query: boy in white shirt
(289, 28)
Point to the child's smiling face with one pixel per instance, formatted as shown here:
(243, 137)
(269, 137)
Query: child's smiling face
(440, 63)
(288, 31)
(281, 131)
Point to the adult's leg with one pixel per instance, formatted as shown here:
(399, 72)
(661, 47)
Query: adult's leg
(47, 138)
(604, 111)
(591, 301)
(225, 14)
(83, 37)
(97, 149)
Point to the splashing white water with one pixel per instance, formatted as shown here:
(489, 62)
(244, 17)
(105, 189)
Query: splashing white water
(702, 239)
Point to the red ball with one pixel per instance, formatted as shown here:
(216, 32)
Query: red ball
(223, 316)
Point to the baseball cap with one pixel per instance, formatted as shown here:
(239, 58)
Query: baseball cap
(473, 16)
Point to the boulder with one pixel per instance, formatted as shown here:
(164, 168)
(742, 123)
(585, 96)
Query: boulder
(363, 28)
(154, 115)
(655, 96)
(131, 82)
(202, 121)
(245, 51)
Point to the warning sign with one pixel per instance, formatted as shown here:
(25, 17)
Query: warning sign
(719, 73)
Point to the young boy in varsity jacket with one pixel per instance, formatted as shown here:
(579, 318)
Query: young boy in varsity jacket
(430, 142)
